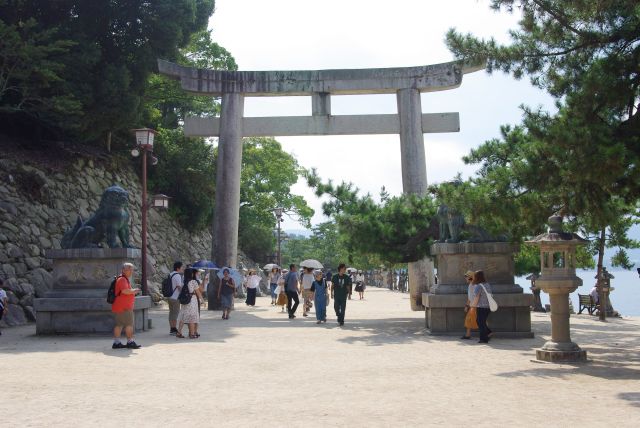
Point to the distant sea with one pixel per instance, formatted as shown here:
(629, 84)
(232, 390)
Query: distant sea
(625, 297)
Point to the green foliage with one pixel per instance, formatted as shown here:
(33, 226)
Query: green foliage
(266, 179)
(581, 162)
(397, 230)
(186, 172)
(32, 81)
(94, 57)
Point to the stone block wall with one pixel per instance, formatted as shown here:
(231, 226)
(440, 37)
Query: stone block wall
(37, 205)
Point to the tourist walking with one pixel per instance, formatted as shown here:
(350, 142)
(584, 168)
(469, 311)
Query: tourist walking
(341, 283)
(253, 280)
(226, 293)
(274, 276)
(122, 308)
(281, 291)
(360, 284)
(292, 289)
(4, 301)
(319, 289)
(189, 313)
(307, 279)
(174, 306)
(470, 319)
(481, 303)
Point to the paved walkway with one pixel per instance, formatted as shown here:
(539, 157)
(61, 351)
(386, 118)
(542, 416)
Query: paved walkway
(260, 369)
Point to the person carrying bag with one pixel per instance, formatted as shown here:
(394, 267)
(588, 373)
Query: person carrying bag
(481, 301)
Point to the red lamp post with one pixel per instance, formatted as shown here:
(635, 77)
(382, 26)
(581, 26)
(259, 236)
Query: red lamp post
(144, 142)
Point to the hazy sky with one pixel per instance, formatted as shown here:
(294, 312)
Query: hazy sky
(333, 34)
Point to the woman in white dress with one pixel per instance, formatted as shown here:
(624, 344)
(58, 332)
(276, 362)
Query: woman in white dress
(189, 313)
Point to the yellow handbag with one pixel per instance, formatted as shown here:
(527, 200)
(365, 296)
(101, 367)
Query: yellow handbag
(470, 319)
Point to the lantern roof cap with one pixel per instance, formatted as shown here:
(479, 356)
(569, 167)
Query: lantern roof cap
(556, 234)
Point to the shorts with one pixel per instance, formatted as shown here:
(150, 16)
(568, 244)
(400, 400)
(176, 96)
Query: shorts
(174, 309)
(124, 318)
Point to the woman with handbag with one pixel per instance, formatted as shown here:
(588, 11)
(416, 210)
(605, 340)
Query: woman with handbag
(480, 301)
(470, 322)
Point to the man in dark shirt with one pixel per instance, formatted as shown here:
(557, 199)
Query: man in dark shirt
(292, 289)
(341, 284)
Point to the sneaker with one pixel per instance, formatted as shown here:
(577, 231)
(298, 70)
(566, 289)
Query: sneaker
(118, 346)
(132, 345)
(173, 332)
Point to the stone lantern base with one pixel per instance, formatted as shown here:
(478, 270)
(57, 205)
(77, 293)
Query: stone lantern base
(554, 352)
(444, 303)
(77, 303)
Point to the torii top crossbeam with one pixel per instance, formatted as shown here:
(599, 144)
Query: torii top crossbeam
(427, 78)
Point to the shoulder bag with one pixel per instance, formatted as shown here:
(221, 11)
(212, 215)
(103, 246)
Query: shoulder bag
(493, 305)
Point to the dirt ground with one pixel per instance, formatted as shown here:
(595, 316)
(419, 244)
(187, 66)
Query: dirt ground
(260, 369)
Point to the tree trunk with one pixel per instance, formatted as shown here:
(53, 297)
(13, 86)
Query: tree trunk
(601, 295)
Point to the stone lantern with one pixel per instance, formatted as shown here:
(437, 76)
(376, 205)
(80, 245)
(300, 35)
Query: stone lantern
(558, 279)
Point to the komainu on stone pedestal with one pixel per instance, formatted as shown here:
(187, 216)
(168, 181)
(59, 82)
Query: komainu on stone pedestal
(444, 303)
(109, 223)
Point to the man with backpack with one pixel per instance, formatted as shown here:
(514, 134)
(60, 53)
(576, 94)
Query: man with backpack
(171, 290)
(122, 308)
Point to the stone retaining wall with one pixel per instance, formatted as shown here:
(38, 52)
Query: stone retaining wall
(37, 205)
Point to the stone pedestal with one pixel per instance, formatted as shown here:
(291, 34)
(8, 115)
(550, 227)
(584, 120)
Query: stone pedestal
(444, 303)
(560, 348)
(77, 303)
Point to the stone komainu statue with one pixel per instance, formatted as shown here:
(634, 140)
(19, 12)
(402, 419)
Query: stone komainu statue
(454, 229)
(109, 223)
(451, 223)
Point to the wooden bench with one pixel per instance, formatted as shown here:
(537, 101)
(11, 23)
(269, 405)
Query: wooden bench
(585, 301)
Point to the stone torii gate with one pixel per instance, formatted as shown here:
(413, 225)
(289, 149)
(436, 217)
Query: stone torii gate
(233, 86)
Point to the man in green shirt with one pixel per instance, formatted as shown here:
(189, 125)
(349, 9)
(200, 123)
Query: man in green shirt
(341, 284)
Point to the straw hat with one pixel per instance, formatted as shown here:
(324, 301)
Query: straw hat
(468, 274)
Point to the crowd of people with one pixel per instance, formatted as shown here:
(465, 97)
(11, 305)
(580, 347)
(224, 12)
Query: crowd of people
(187, 288)
(317, 289)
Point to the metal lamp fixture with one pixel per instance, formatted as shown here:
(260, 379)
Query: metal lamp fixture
(161, 201)
(144, 137)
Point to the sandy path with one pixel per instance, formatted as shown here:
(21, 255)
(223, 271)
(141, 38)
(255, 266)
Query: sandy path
(260, 369)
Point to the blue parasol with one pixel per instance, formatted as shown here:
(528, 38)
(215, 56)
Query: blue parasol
(204, 264)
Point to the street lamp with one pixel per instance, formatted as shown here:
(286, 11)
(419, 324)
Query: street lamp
(278, 212)
(144, 143)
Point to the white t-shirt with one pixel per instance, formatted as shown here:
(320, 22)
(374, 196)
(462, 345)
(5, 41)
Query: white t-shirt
(176, 284)
(253, 281)
(307, 280)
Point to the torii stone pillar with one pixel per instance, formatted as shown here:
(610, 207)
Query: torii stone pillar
(226, 219)
(407, 83)
(414, 181)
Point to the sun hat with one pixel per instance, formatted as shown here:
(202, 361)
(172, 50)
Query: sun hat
(469, 274)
